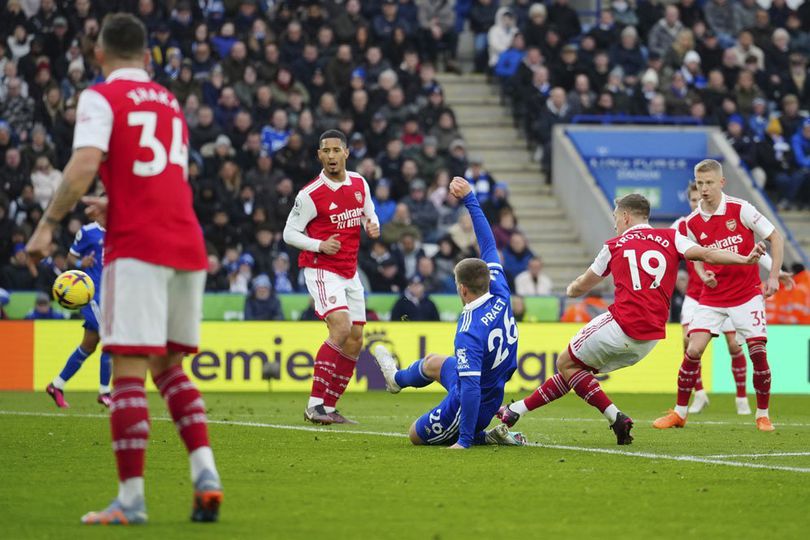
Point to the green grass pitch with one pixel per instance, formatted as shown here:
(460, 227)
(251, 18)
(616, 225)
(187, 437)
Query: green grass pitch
(286, 479)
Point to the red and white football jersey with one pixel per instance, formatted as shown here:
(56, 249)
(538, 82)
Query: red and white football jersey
(324, 208)
(140, 126)
(732, 227)
(695, 285)
(644, 263)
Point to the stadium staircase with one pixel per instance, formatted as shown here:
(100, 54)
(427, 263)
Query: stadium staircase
(487, 127)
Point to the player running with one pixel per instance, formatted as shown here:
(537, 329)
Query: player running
(730, 224)
(485, 345)
(133, 133)
(325, 225)
(644, 263)
(86, 254)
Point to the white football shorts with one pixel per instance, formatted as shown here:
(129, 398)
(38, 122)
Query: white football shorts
(332, 292)
(604, 347)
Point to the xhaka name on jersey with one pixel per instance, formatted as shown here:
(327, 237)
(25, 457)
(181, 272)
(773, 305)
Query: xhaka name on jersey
(139, 95)
(730, 243)
(347, 219)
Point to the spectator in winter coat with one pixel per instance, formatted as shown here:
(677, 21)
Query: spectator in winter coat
(532, 281)
(383, 203)
(516, 256)
(778, 165)
(46, 180)
(801, 149)
(414, 304)
(263, 304)
(500, 36)
(665, 31)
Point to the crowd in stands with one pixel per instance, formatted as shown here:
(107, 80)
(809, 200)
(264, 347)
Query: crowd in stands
(728, 63)
(258, 82)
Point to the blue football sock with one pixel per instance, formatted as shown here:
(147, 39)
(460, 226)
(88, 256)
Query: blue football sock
(412, 376)
(105, 371)
(74, 363)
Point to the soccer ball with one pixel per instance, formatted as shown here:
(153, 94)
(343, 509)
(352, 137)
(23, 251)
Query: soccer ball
(73, 289)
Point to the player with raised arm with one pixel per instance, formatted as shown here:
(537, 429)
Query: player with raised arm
(132, 131)
(485, 351)
(731, 224)
(86, 253)
(325, 225)
(644, 263)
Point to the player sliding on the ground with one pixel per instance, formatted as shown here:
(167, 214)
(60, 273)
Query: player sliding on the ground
(485, 345)
(325, 225)
(86, 253)
(730, 224)
(644, 263)
(132, 131)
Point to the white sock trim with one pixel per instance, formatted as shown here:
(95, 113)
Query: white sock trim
(682, 410)
(58, 382)
(329, 409)
(762, 413)
(519, 407)
(611, 413)
(201, 459)
(104, 389)
(314, 401)
(130, 490)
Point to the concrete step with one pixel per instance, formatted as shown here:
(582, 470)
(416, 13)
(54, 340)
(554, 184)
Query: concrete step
(551, 237)
(493, 135)
(545, 226)
(542, 214)
(467, 78)
(469, 124)
(472, 99)
(497, 156)
(480, 113)
(539, 201)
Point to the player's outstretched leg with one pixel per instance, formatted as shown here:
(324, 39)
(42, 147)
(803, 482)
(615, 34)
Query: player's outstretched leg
(762, 383)
(56, 389)
(587, 387)
(187, 408)
(701, 399)
(738, 370)
(552, 388)
(325, 363)
(413, 376)
(129, 422)
(105, 368)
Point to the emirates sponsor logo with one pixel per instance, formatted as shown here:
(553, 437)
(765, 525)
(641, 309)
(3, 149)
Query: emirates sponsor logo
(730, 243)
(347, 219)
(731, 224)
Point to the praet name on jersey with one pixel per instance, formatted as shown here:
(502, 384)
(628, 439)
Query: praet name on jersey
(492, 315)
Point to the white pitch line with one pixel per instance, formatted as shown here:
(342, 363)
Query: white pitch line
(775, 454)
(647, 455)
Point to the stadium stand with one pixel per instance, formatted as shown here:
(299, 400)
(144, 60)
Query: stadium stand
(259, 80)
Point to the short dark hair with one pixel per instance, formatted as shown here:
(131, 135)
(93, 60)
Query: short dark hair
(636, 204)
(333, 134)
(123, 36)
(692, 187)
(473, 274)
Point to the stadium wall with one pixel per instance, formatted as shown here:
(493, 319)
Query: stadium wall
(232, 355)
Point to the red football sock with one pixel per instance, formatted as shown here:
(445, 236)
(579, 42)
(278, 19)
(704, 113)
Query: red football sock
(552, 388)
(325, 362)
(185, 405)
(587, 387)
(129, 420)
(762, 373)
(738, 369)
(687, 375)
(340, 379)
(699, 380)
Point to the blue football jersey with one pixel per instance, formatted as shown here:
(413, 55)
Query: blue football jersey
(486, 335)
(90, 239)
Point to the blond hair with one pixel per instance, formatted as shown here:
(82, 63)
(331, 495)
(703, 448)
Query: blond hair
(709, 165)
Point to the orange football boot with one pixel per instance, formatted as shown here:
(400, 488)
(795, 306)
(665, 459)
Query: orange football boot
(671, 420)
(764, 424)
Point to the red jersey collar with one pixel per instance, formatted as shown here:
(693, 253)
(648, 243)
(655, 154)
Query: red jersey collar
(721, 208)
(129, 74)
(331, 184)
